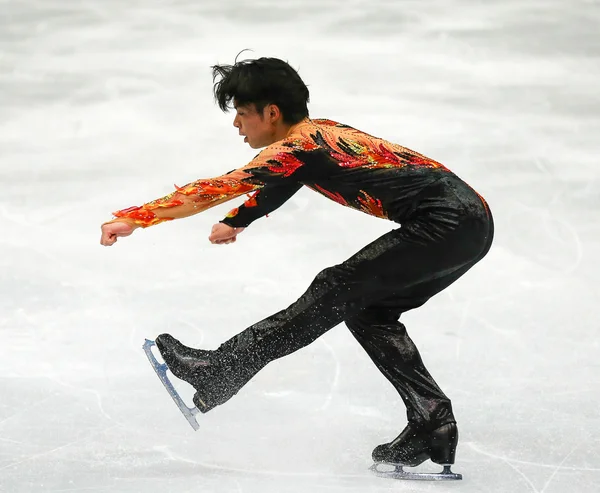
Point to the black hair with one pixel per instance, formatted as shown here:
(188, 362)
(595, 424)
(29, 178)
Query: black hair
(261, 82)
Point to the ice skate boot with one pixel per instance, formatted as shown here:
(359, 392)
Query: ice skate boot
(216, 375)
(182, 360)
(414, 446)
(209, 372)
(161, 371)
(218, 382)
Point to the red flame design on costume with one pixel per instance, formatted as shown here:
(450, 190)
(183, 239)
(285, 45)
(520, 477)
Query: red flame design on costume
(233, 212)
(371, 205)
(252, 202)
(305, 144)
(369, 151)
(141, 216)
(203, 192)
(389, 155)
(207, 189)
(325, 121)
(333, 196)
(284, 163)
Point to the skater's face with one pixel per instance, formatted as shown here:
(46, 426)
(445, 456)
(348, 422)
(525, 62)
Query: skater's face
(259, 129)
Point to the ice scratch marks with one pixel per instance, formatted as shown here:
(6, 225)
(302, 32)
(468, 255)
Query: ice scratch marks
(253, 472)
(557, 468)
(522, 474)
(13, 442)
(529, 463)
(557, 231)
(468, 318)
(56, 449)
(82, 389)
(513, 463)
(556, 235)
(24, 409)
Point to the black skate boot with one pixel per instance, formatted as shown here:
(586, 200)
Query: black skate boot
(410, 448)
(414, 446)
(217, 376)
(181, 359)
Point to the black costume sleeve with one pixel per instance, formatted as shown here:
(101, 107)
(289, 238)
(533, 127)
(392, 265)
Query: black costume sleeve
(261, 203)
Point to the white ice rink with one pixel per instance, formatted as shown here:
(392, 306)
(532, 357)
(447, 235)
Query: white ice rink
(106, 104)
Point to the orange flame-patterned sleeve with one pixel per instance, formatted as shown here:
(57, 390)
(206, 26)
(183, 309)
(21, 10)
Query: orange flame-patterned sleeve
(190, 199)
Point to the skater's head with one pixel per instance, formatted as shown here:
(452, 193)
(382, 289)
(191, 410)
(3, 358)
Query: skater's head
(268, 95)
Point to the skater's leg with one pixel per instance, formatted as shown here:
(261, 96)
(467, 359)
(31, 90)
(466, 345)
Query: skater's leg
(378, 330)
(431, 431)
(388, 344)
(420, 251)
(428, 409)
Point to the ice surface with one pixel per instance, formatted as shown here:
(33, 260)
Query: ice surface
(106, 104)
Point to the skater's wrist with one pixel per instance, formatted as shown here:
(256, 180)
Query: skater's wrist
(128, 221)
(232, 223)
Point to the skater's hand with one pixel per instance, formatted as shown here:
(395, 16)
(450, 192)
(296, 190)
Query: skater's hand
(222, 234)
(113, 230)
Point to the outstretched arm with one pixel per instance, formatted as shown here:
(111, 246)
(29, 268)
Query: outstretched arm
(272, 174)
(188, 200)
(185, 201)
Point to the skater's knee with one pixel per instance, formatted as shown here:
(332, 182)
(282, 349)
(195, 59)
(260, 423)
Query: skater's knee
(335, 276)
(354, 323)
(371, 318)
(363, 318)
(335, 273)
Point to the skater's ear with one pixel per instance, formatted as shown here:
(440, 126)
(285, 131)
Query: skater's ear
(272, 113)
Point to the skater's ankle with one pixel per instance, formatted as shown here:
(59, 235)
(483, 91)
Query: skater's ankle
(429, 426)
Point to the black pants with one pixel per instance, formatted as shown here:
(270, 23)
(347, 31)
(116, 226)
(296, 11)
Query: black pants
(397, 272)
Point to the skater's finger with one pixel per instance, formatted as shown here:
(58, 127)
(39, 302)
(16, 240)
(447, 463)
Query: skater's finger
(215, 240)
(223, 242)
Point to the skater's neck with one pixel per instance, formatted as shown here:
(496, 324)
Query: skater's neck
(291, 129)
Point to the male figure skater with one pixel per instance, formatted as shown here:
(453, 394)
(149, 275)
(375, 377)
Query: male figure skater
(442, 227)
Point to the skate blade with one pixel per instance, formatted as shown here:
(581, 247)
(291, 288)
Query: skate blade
(399, 473)
(161, 371)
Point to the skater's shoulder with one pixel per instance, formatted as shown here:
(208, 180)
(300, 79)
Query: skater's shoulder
(328, 124)
(306, 136)
(291, 145)
(301, 137)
